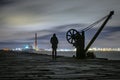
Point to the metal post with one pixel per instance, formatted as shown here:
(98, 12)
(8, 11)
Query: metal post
(80, 53)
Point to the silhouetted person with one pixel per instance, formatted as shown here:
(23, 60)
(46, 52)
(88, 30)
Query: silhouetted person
(54, 42)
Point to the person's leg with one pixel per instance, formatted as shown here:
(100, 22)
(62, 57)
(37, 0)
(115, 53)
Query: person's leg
(55, 53)
(52, 53)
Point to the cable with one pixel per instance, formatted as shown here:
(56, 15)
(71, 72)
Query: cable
(92, 25)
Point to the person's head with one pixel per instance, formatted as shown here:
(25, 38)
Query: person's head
(54, 34)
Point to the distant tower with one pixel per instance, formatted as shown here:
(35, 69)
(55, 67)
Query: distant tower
(36, 41)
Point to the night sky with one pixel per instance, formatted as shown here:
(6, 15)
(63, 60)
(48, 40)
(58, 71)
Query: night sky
(21, 19)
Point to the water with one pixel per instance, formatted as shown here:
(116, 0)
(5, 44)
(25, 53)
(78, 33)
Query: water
(111, 55)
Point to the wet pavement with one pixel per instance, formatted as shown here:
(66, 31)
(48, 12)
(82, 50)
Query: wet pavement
(31, 66)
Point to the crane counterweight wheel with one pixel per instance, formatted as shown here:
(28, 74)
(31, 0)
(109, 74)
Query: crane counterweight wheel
(70, 35)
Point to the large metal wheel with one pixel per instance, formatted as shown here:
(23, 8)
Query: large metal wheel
(70, 35)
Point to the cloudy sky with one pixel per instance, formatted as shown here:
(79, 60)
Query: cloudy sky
(21, 19)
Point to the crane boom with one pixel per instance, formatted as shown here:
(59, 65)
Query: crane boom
(99, 30)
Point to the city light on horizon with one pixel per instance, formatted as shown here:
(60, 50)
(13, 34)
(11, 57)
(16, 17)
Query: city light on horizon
(91, 49)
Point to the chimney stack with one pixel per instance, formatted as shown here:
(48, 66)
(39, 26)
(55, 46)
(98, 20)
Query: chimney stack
(36, 41)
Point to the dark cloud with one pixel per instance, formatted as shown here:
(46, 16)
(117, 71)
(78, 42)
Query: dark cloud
(113, 29)
(110, 31)
(6, 2)
(61, 33)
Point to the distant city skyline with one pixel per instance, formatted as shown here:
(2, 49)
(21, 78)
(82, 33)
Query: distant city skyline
(90, 49)
(21, 19)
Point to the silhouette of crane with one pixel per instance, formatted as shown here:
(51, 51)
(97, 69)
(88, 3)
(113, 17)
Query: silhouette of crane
(77, 39)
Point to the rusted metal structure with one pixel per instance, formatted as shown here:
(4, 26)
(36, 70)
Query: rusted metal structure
(77, 39)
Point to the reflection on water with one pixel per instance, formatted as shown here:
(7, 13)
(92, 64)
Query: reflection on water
(111, 55)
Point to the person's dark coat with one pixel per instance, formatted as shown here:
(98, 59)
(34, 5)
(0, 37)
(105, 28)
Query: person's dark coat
(54, 41)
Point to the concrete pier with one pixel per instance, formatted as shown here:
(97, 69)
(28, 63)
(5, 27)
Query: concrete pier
(31, 66)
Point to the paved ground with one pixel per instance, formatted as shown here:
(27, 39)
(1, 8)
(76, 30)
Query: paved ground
(25, 66)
